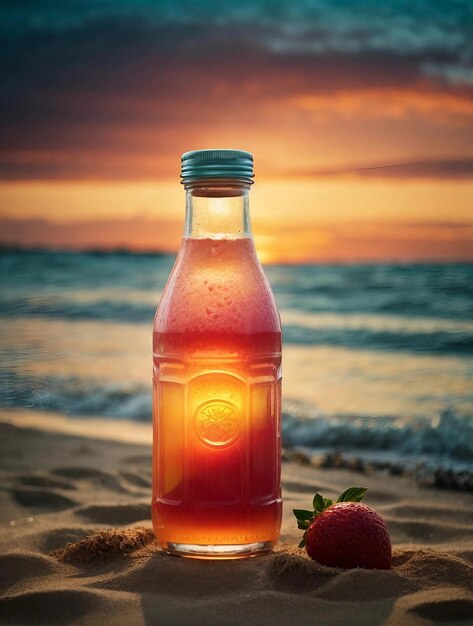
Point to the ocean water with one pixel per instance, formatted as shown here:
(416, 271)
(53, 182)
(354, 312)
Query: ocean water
(377, 359)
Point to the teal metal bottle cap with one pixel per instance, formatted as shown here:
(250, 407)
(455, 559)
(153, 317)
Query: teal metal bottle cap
(216, 164)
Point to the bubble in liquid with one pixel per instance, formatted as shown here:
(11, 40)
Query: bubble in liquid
(230, 299)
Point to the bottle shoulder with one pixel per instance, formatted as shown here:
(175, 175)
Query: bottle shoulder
(217, 287)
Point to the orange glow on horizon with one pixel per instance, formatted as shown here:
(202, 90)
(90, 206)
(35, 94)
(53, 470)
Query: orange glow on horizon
(294, 220)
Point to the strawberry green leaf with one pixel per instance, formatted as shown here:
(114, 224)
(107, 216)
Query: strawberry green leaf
(327, 502)
(302, 542)
(318, 503)
(303, 515)
(353, 494)
(303, 525)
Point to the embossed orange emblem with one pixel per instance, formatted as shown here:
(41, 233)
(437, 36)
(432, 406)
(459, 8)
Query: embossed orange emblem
(217, 422)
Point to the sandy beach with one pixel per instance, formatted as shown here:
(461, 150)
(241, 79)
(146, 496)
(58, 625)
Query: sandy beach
(60, 487)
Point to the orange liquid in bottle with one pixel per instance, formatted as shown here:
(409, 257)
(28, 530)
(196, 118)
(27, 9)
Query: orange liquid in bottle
(217, 372)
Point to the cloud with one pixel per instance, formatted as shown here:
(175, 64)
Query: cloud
(137, 233)
(393, 25)
(461, 168)
(387, 102)
(113, 90)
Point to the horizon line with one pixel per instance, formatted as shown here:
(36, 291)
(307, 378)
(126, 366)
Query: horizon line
(6, 248)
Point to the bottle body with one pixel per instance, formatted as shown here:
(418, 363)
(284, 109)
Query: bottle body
(217, 403)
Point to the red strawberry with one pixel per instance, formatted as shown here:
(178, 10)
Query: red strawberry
(345, 534)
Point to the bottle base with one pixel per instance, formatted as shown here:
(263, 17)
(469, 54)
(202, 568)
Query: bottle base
(226, 551)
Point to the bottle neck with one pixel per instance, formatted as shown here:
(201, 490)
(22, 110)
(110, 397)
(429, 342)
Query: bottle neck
(217, 209)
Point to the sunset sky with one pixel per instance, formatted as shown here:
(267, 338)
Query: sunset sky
(359, 115)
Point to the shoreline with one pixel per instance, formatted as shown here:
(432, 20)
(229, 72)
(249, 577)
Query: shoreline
(421, 469)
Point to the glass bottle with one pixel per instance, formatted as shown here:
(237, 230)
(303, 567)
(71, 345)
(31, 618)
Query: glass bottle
(217, 376)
